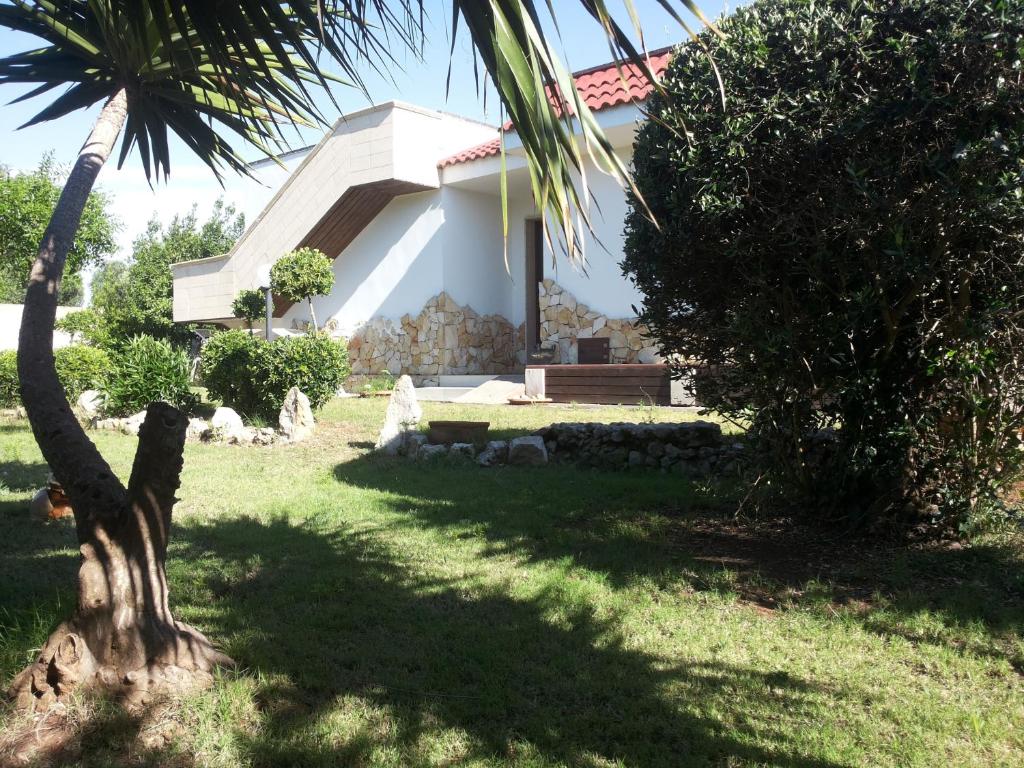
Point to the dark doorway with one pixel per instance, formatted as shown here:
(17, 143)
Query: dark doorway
(534, 275)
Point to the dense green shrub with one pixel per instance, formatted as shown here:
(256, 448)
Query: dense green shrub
(147, 370)
(253, 376)
(9, 393)
(842, 243)
(315, 363)
(81, 367)
(234, 365)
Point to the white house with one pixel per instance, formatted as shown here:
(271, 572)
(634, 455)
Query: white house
(407, 202)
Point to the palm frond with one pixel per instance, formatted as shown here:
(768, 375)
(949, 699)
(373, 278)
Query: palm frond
(250, 68)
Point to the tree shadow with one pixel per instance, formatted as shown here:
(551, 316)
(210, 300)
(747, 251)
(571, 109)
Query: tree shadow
(653, 526)
(325, 614)
(23, 476)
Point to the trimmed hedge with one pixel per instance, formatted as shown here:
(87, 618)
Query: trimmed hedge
(253, 376)
(9, 396)
(81, 367)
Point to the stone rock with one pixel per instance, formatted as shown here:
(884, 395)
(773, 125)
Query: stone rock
(462, 449)
(196, 429)
(91, 402)
(414, 441)
(133, 424)
(243, 436)
(429, 452)
(495, 452)
(402, 416)
(528, 451)
(40, 507)
(296, 417)
(227, 423)
(265, 436)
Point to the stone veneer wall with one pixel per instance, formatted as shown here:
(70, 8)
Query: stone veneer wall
(564, 320)
(444, 337)
(448, 338)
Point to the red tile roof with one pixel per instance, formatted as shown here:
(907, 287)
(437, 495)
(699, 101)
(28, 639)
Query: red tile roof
(600, 87)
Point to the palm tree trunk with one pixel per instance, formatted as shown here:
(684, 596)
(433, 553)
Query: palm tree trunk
(122, 635)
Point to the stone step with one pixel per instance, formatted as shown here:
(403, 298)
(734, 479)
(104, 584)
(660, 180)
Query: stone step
(441, 394)
(468, 380)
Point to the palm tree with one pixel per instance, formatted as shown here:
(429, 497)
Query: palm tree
(201, 70)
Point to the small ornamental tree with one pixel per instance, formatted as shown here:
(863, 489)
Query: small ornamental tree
(249, 305)
(301, 275)
(841, 246)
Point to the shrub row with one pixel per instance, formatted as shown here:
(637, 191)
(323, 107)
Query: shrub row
(253, 376)
(78, 367)
(146, 370)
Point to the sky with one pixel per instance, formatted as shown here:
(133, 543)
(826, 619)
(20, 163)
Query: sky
(421, 82)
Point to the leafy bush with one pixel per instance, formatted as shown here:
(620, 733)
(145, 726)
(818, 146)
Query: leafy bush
(253, 376)
(842, 244)
(301, 275)
(315, 363)
(80, 367)
(250, 305)
(9, 393)
(234, 365)
(147, 370)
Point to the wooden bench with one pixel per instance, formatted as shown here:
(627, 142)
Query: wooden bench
(627, 384)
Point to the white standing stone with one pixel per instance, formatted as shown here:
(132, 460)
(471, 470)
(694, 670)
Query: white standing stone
(227, 423)
(91, 401)
(402, 416)
(296, 417)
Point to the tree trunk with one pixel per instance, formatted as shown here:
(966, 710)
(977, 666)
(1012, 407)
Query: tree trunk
(312, 314)
(122, 636)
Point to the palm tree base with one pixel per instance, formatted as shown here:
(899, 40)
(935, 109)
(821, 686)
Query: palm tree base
(66, 666)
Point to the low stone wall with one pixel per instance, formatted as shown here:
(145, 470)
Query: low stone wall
(694, 449)
(448, 338)
(691, 449)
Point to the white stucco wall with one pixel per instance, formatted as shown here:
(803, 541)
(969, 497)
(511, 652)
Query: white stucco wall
(474, 263)
(600, 284)
(10, 326)
(392, 267)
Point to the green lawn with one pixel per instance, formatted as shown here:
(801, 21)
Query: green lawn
(391, 614)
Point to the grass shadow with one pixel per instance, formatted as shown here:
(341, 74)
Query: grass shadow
(628, 526)
(19, 476)
(326, 616)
